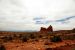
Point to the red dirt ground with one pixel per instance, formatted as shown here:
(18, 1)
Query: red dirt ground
(65, 45)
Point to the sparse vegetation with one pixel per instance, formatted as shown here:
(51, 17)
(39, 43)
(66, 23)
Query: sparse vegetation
(56, 39)
(46, 43)
(20, 35)
(32, 36)
(72, 37)
(24, 39)
(40, 36)
(47, 40)
(36, 40)
(2, 47)
(48, 49)
(7, 38)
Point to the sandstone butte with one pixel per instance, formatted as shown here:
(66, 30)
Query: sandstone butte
(46, 30)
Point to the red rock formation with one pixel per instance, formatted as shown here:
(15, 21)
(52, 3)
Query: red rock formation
(49, 29)
(43, 29)
(73, 30)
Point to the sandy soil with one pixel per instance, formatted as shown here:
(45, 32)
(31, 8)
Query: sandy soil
(65, 45)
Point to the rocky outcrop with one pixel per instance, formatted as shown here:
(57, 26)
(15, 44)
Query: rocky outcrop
(43, 29)
(49, 29)
(73, 30)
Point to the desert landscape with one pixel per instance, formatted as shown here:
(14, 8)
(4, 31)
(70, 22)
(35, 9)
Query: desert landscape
(45, 39)
(37, 24)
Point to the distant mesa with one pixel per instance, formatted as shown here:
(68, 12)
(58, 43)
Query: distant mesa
(46, 30)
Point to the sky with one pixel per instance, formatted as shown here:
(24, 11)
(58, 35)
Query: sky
(30, 15)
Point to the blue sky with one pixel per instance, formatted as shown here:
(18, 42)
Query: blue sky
(22, 15)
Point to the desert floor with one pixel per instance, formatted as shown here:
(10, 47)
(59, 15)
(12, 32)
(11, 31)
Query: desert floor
(65, 45)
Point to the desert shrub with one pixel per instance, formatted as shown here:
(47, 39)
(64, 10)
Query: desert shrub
(69, 37)
(7, 38)
(24, 39)
(40, 36)
(36, 40)
(14, 35)
(48, 49)
(46, 43)
(20, 35)
(56, 39)
(2, 47)
(32, 36)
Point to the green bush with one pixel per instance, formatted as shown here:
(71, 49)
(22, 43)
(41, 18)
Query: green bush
(56, 39)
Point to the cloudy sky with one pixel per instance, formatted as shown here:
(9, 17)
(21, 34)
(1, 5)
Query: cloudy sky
(23, 15)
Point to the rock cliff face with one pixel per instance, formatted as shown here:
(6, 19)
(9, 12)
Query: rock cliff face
(73, 30)
(50, 29)
(45, 30)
